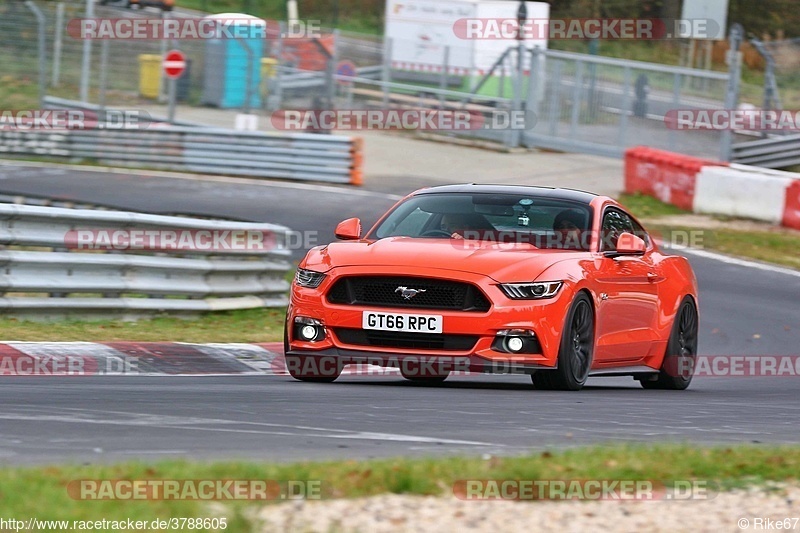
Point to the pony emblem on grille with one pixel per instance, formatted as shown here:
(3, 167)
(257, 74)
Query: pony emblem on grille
(407, 293)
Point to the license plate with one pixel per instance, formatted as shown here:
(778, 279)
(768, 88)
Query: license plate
(402, 322)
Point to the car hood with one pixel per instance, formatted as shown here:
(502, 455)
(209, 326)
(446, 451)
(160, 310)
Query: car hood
(502, 262)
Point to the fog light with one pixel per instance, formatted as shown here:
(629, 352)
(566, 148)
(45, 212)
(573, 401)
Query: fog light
(308, 332)
(308, 329)
(514, 344)
(516, 341)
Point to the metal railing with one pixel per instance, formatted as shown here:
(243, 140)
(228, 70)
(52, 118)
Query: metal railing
(44, 272)
(64, 104)
(298, 156)
(601, 105)
(775, 152)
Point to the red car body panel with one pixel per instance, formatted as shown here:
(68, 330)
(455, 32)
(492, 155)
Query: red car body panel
(635, 298)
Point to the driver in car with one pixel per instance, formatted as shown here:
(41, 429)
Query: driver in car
(567, 226)
(459, 224)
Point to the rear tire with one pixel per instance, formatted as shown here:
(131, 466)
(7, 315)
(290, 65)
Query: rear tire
(576, 351)
(680, 358)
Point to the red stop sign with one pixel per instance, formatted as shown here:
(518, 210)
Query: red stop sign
(174, 64)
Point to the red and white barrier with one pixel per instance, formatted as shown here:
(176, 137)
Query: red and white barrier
(713, 187)
(791, 209)
(742, 191)
(664, 175)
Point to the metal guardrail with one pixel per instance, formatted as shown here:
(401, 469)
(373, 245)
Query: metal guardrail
(777, 152)
(68, 281)
(55, 103)
(302, 156)
(293, 78)
(193, 147)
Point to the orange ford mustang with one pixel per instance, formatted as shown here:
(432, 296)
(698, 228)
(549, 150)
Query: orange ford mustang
(556, 283)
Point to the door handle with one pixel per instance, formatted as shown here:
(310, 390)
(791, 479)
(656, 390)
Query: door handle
(652, 276)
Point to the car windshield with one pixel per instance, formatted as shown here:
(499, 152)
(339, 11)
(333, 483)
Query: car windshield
(542, 222)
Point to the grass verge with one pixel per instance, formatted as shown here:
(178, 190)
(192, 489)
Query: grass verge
(721, 234)
(643, 206)
(25, 489)
(249, 325)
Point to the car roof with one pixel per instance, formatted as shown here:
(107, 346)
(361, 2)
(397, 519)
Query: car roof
(544, 192)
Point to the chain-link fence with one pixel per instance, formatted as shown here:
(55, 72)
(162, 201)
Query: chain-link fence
(127, 72)
(19, 62)
(112, 72)
(604, 105)
(782, 73)
(581, 102)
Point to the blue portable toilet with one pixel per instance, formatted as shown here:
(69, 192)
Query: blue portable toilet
(228, 58)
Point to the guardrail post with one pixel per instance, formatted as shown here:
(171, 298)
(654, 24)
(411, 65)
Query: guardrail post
(87, 57)
(443, 77)
(386, 74)
(103, 77)
(357, 168)
(42, 23)
(331, 70)
(276, 96)
(626, 105)
(57, 45)
(732, 92)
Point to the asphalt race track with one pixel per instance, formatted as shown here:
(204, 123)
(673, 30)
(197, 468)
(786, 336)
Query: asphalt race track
(744, 310)
(276, 418)
(302, 207)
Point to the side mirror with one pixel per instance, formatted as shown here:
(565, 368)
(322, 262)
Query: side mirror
(349, 230)
(629, 244)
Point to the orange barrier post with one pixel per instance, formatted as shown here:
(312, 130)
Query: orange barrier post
(357, 168)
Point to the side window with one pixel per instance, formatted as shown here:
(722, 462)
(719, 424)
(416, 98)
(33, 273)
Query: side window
(615, 223)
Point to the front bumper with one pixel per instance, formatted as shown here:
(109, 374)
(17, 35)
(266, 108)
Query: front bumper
(544, 317)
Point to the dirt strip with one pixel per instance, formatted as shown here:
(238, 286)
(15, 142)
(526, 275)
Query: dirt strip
(754, 509)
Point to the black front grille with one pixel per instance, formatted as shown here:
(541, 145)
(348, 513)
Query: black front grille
(383, 291)
(397, 339)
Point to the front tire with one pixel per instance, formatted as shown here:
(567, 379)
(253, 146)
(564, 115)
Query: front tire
(575, 353)
(306, 368)
(418, 373)
(680, 358)
(426, 379)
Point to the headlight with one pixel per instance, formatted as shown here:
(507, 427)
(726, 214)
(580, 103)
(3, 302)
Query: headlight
(308, 278)
(531, 291)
